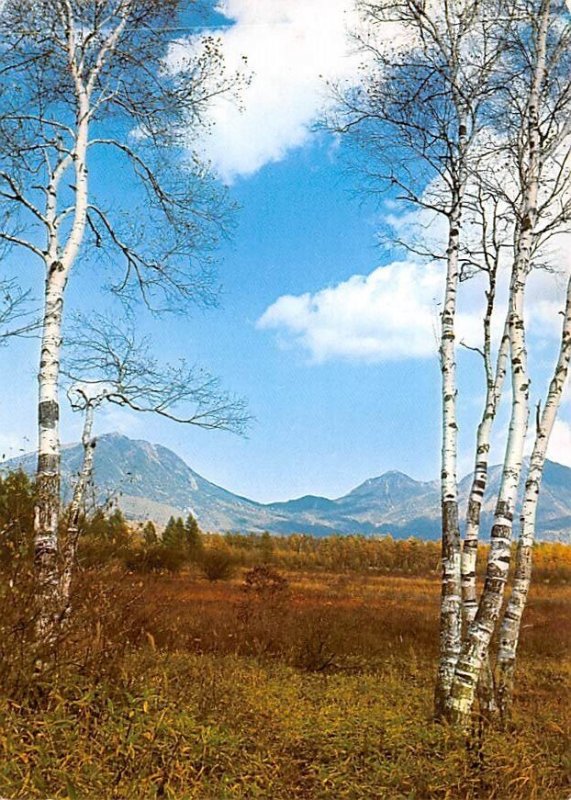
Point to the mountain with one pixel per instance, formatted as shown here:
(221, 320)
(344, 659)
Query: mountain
(151, 482)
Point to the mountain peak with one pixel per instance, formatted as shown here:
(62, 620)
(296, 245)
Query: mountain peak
(392, 476)
(388, 481)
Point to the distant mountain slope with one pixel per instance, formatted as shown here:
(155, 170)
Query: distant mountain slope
(151, 482)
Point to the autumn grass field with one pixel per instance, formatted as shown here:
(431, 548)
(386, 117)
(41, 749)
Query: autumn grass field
(277, 686)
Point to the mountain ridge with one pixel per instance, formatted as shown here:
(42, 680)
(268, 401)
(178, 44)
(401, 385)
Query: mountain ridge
(150, 481)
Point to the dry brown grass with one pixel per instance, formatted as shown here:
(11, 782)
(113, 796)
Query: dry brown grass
(318, 689)
(370, 616)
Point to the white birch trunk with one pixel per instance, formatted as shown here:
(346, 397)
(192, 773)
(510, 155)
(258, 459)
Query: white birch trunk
(479, 634)
(511, 623)
(48, 474)
(480, 480)
(47, 509)
(494, 388)
(451, 600)
(75, 509)
(477, 640)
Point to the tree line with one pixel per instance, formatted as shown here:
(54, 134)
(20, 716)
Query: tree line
(108, 539)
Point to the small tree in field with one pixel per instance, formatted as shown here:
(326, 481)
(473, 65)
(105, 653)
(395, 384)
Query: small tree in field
(150, 537)
(217, 562)
(174, 535)
(17, 497)
(193, 539)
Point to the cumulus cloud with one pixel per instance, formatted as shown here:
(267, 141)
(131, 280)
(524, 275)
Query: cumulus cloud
(390, 314)
(393, 313)
(292, 48)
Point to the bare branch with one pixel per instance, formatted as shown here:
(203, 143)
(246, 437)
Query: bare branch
(106, 362)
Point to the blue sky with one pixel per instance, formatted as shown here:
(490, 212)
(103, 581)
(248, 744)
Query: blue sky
(336, 356)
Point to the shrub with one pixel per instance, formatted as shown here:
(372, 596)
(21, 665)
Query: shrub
(217, 563)
(262, 612)
(154, 558)
(17, 497)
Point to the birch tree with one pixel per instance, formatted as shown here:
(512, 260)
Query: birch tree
(537, 148)
(417, 116)
(106, 362)
(493, 232)
(506, 179)
(80, 77)
(493, 235)
(512, 617)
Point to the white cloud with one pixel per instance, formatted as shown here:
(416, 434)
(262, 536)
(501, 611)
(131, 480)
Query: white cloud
(390, 314)
(560, 443)
(393, 313)
(292, 47)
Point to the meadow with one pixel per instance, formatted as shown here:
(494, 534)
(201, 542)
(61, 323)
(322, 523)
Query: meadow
(272, 684)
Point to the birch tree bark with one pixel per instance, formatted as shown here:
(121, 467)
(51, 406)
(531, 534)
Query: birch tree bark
(75, 509)
(492, 235)
(495, 382)
(511, 622)
(495, 377)
(451, 594)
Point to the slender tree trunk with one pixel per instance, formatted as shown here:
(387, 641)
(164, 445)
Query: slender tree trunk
(451, 599)
(479, 634)
(477, 640)
(76, 506)
(47, 509)
(494, 390)
(48, 474)
(494, 387)
(511, 623)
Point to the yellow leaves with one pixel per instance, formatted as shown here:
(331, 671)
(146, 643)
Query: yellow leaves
(221, 727)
